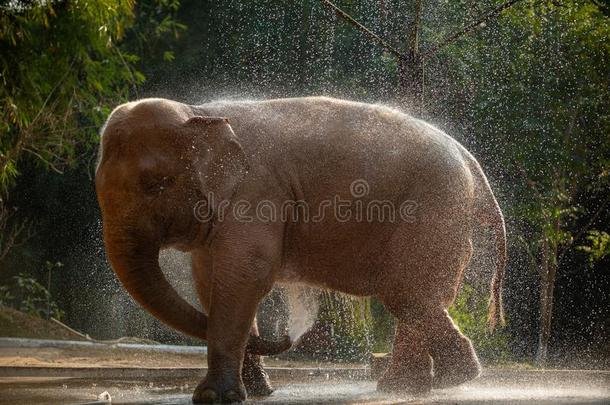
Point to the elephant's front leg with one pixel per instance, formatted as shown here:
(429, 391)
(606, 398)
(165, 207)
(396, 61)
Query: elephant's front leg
(241, 276)
(253, 374)
(226, 344)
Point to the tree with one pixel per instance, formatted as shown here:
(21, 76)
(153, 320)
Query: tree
(62, 66)
(540, 113)
(411, 61)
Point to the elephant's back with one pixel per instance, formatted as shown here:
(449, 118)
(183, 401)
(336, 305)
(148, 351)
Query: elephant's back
(332, 141)
(328, 126)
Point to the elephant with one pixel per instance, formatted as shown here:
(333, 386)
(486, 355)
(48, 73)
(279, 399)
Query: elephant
(353, 197)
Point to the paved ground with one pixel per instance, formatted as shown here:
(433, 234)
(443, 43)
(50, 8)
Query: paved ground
(47, 372)
(495, 386)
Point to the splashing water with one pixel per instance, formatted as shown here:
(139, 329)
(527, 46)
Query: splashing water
(302, 301)
(303, 307)
(176, 266)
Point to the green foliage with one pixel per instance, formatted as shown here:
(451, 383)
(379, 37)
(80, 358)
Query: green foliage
(63, 66)
(60, 67)
(155, 29)
(533, 89)
(31, 297)
(469, 312)
(598, 247)
(5, 296)
(350, 321)
(383, 327)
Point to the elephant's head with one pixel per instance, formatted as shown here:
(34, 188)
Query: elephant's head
(156, 162)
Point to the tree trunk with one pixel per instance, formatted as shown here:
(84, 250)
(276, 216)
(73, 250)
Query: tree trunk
(543, 331)
(410, 68)
(548, 274)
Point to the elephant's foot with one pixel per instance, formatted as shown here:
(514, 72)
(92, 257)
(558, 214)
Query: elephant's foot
(255, 378)
(412, 378)
(452, 369)
(455, 365)
(213, 390)
(446, 377)
(410, 370)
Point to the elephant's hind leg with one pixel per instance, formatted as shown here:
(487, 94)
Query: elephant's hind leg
(455, 360)
(410, 369)
(253, 373)
(416, 287)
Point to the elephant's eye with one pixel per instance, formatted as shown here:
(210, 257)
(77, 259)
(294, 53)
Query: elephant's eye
(155, 185)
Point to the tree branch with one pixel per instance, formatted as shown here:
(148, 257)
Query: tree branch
(39, 156)
(466, 29)
(414, 35)
(372, 36)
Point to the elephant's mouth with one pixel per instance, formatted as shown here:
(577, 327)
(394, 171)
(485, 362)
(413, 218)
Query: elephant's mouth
(168, 239)
(183, 237)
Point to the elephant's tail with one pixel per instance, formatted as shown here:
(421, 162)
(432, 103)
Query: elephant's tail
(487, 211)
(495, 313)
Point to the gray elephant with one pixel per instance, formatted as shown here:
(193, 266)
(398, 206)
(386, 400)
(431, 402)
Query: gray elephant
(347, 196)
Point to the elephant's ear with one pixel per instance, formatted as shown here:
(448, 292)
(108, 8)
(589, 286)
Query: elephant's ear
(219, 157)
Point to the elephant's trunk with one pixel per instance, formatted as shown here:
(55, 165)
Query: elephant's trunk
(136, 264)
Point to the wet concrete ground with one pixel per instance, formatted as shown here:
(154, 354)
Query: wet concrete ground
(494, 386)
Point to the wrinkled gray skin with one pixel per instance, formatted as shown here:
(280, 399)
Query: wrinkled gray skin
(160, 159)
